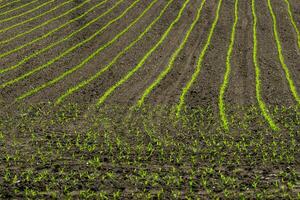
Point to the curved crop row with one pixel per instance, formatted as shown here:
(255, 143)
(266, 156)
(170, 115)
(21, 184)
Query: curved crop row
(114, 60)
(164, 73)
(199, 62)
(281, 57)
(260, 101)
(70, 49)
(9, 3)
(25, 13)
(91, 56)
(18, 8)
(55, 44)
(108, 92)
(293, 22)
(228, 69)
(35, 17)
(50, 32)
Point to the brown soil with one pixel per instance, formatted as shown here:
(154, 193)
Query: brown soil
(205, 91)
(64, 142)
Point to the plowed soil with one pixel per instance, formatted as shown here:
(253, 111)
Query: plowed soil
(76, 150)
(241, 88)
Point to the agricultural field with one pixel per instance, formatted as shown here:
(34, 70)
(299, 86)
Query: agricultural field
(149, 99)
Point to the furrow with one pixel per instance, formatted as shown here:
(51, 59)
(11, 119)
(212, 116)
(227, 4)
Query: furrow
(9, 3)
(35, 17)
(108, 92)
(169, 67)
(57, 43)
(18, 8)
(25, 13)
(281, 57)
(224, 85)
(82, 84)
(50, 32)
(261, 103)
(85, 61)
(293, 22)
(199, 63)
(68, 50)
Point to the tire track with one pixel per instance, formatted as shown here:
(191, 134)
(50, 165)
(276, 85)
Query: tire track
(199, 63)
(169, 67)
(169, 90)
(241, 89)
(243, 77)
(228, 70)
(261, 103)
